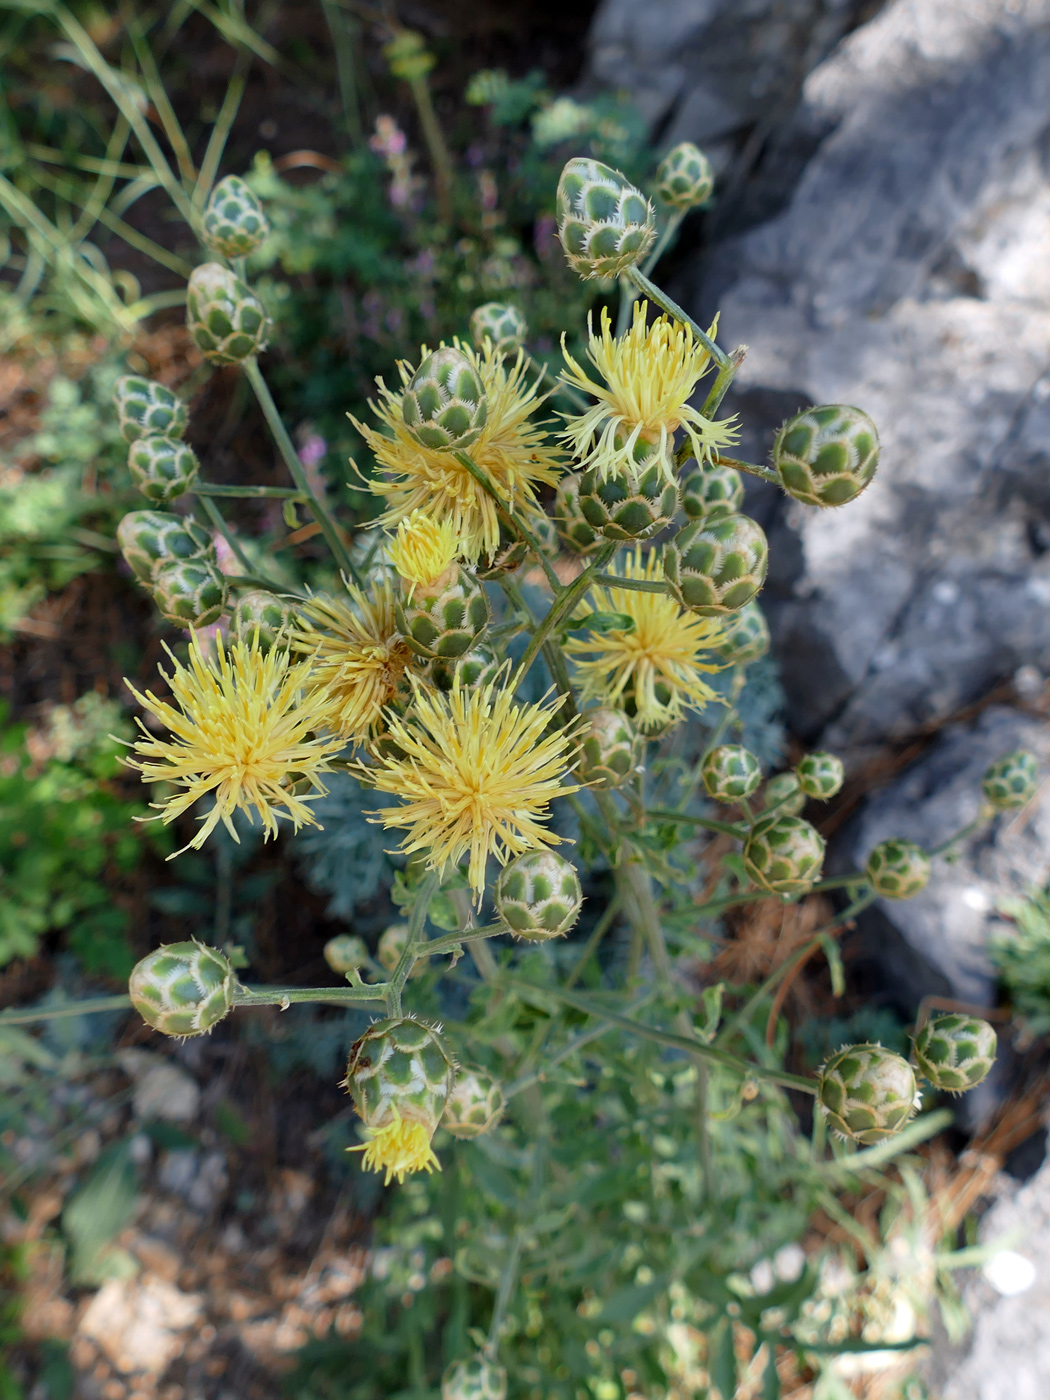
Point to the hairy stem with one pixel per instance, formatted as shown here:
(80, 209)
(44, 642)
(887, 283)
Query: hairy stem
(673, 309)
(508, 517)
(561, 606)
(414, 943)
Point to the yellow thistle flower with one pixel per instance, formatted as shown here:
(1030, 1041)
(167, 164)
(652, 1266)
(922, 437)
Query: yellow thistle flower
(359, 659)
(477, 772)
(513, 452)
(650, 374)
(424, 549)
(243, 730)
(399, 1147)
(659, 664)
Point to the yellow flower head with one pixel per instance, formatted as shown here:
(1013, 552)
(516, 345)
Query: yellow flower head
(657, 667)
(650, 374)
(243, 729)
(477, 773)
(399, 1147)
(358, 658)
(512, 451)
(424, 548)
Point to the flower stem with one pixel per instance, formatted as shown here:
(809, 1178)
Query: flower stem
(628, 295)
(637, 585)
(290, 996)
(708, 823)
(216, 517)
(509, 518)
(673, 309)
(251, 493)
(766, 473)
(561, 606)
(413, 944)
(722, 381)
(18, 1016)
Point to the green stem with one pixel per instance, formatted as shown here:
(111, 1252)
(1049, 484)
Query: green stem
(980, 820)
(88, 1007)
(673, 309)
(561, 605)
(341, 28)
(509, 1275)
(248, 493)
(766, 473)
(221, 130)
(451, 941)
(215, 516)
(708, 823)
(509, 518)
(413, 943)
(291, 996)
(636, 585)
(434, 137)
(628, 294)
(722, 381)
(256, 581)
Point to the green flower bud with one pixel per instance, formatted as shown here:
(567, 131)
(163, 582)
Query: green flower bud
(147, 409)
(504, 325)
(826, 456)
(475, 1104)
(573, 529)
(478, 666)
(399, 1076)
(955, 1052)
(392, 942)
(820, 775)
(784, 855)
(784, 792)
(866, 1093)
(730, 772)
(1011, 781)
(190, 592)
(182, 989)
(631, 504)
(476, 1378)
(745, 636)
(163, 468)
(611, 750)
(538, 896)
(605, 225)
(898, 869)
(717, 564)
(443, 619)
(444, 405)
(150, 538)
(408, 56)
(710, 490)
(345, 953)
(684, 177)
(264, 613)
(225, 317)
(234, 224)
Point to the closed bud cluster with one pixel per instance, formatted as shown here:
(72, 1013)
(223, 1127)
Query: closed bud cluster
(716, 565)
(710, 490)
(574, 530)
(400, 1076)
(502, 324)
(745, 636)
(730, 772)
(955, 1051)
(264, 613)
(1011, 781)
(898, 869)
(148, 409)
(820, 775)
(190, 592)
(826, 456)
(605, 224)
(866, 1093)
(475, 1378)
(684, 177)
(784, 855)
(631, 503)
(234, 224)
(478, 666)
(444, 405)
(784, 793)
(182, 989)
(474, 1105)
(225, 318)
(345, 953)
(610, 748)
(149, 539)
(538, 895)
(163, 468)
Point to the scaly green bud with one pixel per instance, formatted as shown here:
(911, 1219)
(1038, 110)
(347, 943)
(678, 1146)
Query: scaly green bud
(745, 636)
(784, 855)
(392, 943)
(820, 775)
(475, 1378)
(234, 224)
(264, 613)
(630, 504)
(182, 989)
(445, 618)
(146, 409)
(478, 666)
(730, 772)
(226, 319)
(150, 538)
(784, 792)
(190, 592)
(717, 564)
(345, 953)
(684, 177)
(475, 1104)
(1011, 781)
(955, 1052)
(610, 748)
(163, 468)
(605, 225)
(444, 405)
(573, 528)
(502, 324)
(866, 1093)
(538, 895)
(710, 490)
(826, 456)
(898, 869)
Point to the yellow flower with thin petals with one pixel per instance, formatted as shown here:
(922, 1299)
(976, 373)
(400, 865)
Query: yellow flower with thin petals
(398, 1148)
(424, 548)
(513, 452)
(359, 659)
(477, 772)
(243, 729)
(650, 374)
(656, 669)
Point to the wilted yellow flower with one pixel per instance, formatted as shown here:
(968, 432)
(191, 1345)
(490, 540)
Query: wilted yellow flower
(657, 667)
(358, 658)
(477, 773)
(244, 730)
(650, 374)
(513, 452)
(424, 549)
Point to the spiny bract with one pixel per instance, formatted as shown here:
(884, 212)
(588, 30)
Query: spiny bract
(445, 619)
(745, 636)
(478, 666)
(898, 869)
(262, 612)
(145, 408)
(225, 318)
(631, 504)
(149, 538)
(475, 1104)
(1012, 780)
(716, 565)
(866, 1093)
(820, 774)
(826, 456)
(956, 1051)
(163, 468)
(538, 896)
(784, 795)
(684, 178)
(182, 989)
(234, 224)
(710, 490)
(574, 529)
(610, 748)
(730, 772)
(504, 325)
(605, 224)
(784, 854)
(444, 406)
(191, 592)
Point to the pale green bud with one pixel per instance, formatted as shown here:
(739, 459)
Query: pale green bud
(573, 528)
(150, 538)
(605, 224)
(225, 317)
(189, 592)
(260, 612)
(444, 405)
(730, 772)
(784, 792)
(745, 636)
(716, 565)
(1011, 781)
(710, 490)
(163, 468)
(474, 1378)
(955, 1051)
(475, 1104)
(826, 456)
(345, 953)
(478, 666)
(610, 748)
(632, 503)
(538, 895)
(866, 1093)
(445, 619)
(684, 178)
(820, 775)
(234, 224)
(784, 855)
(502, 324)
(182, 989)
(400, 1063)
(898, 869)
(147, 409)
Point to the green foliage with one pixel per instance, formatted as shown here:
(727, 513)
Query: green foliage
(1022, 956)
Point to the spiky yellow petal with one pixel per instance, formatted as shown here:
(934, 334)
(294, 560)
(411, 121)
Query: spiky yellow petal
(657, 665)
(650, 374)
(243, 729)
(424, 548)
(399, 1147)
